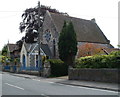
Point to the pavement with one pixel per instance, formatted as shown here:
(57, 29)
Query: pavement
(64, 80)
(91, 84)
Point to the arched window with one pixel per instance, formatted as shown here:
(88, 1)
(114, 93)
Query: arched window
(54, 48)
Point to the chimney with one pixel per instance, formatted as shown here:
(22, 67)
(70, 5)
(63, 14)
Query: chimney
(93, 20)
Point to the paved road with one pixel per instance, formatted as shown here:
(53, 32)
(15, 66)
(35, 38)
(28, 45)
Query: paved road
(0, 83)
(13, 85)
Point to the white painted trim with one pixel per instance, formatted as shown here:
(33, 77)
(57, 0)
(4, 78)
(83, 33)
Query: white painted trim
(37, 52)
(24, 52)
(29, 48)
(35, 60)
(33, 49)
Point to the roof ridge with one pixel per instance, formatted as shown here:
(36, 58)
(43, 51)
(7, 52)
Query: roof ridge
(49, 13)
(12, 44)
(70, 16)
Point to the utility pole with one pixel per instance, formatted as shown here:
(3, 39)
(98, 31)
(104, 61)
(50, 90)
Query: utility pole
(39, 41)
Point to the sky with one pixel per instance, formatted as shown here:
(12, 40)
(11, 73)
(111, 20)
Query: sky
(104, 11)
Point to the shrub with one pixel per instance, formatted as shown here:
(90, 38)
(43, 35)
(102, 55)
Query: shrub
(83, 62)
(115, 59)
(99, 61)
(116, 53)
(58, 68)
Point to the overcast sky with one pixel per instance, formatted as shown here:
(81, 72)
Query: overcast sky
(104, 11)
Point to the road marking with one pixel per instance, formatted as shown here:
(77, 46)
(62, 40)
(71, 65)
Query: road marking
(99, 89)
(50, 82)
(89, 88)
(14, 86)
(42, 81)
(45, 95)
(35, 79)
(20, 77)
(78, 86)
(61, 84)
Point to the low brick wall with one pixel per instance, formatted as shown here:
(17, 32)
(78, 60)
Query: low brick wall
(100, 75)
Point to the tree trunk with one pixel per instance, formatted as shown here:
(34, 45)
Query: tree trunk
(70, 61)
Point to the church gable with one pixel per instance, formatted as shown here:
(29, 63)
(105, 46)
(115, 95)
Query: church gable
(50, 33)
(29, 54)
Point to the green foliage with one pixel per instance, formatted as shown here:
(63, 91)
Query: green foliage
(4, 51)
(58, 68)
(5, 59)
(99, 61)
(67, 44)
(29, 22)
(118, 45)
(2, 59)
(116, 53)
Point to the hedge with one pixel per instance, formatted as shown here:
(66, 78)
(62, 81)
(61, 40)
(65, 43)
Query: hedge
(99, 61)
(58, 68)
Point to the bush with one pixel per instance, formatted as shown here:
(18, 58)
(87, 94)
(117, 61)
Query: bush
(58, 68)
(99, 61)
(115, 59)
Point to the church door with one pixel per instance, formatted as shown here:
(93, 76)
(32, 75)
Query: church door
(24, 62)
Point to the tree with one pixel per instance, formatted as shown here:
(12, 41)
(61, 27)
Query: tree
(118, 46)
(20, 43)
(89, 49)
(29, 23)
(67, 45)
(4, 51)
(5, 59)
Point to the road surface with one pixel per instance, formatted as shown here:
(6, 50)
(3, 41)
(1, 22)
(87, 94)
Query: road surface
(14, 85)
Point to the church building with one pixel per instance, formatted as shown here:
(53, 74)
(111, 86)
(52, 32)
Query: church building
(87, 31)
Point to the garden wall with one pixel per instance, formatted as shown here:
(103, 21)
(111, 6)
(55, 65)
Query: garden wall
(100, 75)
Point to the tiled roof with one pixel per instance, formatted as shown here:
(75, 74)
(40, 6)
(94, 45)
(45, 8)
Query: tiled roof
(86, 30)
(12, 47)
(109, 50)
(30, 46)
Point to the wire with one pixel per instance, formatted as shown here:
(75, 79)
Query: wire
(11, 11)
(9, 14)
